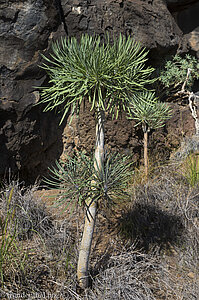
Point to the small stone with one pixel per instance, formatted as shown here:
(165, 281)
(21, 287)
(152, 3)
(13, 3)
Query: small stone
(191, 275)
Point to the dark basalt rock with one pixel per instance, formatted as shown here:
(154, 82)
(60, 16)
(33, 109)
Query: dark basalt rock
(177, 5)
(149, 22)
(26, 135)
(31, 140)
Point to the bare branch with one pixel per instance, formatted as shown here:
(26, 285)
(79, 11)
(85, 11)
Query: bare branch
(187, 77)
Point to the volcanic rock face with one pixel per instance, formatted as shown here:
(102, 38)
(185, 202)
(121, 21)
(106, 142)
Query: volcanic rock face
(25, 133)
(177, 5)
(31, 140)
(189, 23)
(149, 22)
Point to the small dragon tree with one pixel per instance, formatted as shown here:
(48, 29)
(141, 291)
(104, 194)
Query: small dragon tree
(106, 75)
(151, 114)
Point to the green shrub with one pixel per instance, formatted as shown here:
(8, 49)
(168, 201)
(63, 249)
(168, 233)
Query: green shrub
(174, 72)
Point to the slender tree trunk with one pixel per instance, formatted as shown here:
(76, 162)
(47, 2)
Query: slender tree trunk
(85, 247)
(145, 129)
(146, 153)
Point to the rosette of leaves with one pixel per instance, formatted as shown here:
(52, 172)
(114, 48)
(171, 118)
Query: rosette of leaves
(78, 179)
(147, 111)
(103, 73)
(111, 181)
(72, 176)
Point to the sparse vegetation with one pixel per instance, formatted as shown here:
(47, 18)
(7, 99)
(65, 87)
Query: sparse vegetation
(8, 249)
(34, 246)
(149, 248)
(30, 215)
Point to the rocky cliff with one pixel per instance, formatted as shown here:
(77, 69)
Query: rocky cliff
(31, 140)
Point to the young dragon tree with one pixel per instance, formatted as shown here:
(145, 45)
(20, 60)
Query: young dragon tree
(150, 114)
(106, 75)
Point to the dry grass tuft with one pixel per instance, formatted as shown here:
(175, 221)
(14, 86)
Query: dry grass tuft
(30, 212)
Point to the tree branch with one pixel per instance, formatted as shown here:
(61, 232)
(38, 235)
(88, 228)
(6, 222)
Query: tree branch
(187, 77)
